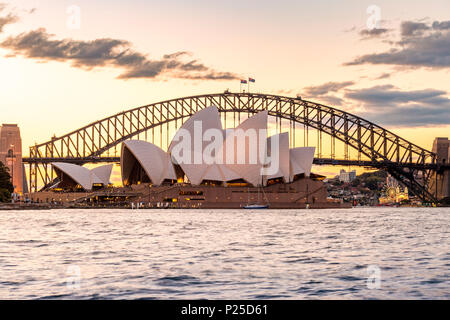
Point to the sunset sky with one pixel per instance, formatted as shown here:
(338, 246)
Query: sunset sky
(61, 71)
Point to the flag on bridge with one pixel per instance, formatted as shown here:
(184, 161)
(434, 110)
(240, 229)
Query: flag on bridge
(251, 80)
(243, 81)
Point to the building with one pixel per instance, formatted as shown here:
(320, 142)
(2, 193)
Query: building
(80, 179)
(230, 164)
(391, 181)
(11, 155)
(393, 195)
(205, 166)
(191, 175)
(347, 176)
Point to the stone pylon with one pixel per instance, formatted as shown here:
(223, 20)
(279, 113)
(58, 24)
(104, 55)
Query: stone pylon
(11, 154)
(440, 186)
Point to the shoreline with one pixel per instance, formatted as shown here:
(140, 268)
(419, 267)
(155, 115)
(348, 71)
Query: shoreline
(28, 207)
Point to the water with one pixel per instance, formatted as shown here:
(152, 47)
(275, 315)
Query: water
(225, 254)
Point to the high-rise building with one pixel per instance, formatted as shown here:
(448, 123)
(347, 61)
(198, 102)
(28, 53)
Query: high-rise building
(347, 176)
(11, 155)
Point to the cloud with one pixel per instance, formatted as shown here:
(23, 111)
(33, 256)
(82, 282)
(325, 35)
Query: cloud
(331, 100)
(107, 52)
(444, 25)
(177, 55)
(213, 75)
(389, 95)
(323, 93)
(373, 33)
(8, 19)
(388, 105)
(412, 116)
(410, 28)
(327, 87)
(421, 45)
(284, 92)
(385, 75)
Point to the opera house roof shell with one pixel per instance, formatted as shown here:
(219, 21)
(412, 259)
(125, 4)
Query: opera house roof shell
(71, 174)
(155, 163)
(233, 157)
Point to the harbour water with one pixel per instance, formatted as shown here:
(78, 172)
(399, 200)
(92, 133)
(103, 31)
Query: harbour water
(359, 253)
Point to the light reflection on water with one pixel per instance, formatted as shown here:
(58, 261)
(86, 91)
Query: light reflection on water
(225, 254)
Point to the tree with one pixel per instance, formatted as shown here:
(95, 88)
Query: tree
(356, 182)
(6, 187)
(372, 183)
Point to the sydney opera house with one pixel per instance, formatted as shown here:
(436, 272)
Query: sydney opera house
(207, 166)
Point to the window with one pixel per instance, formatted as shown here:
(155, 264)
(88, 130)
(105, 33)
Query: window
(191, 193)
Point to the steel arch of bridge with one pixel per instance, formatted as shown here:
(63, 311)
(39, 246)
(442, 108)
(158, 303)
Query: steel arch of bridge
(385, 149)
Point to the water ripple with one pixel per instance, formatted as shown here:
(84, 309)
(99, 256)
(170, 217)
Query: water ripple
(225, 254)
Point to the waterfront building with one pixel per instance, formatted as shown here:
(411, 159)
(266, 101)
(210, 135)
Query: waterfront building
(345, 176)
(144, 162)
(205, 166)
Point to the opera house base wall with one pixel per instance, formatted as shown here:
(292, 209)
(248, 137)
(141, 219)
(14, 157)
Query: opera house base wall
(299, 194)
(60, 197)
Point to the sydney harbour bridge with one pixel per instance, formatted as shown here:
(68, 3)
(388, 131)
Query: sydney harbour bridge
(364, 143)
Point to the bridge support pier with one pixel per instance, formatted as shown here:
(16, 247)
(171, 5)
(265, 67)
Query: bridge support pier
(440, 184)
(11, 155)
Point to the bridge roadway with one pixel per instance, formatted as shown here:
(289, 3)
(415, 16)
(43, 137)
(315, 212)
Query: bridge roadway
(317, 161)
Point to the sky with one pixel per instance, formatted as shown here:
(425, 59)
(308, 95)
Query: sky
(64, 64)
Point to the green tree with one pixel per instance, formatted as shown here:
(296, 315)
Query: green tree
(6, 187)
(372, 183)
(356, 182)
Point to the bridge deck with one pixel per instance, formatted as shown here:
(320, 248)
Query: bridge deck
(317, 161)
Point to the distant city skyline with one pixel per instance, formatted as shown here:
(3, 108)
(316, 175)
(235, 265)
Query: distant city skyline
(68, 63)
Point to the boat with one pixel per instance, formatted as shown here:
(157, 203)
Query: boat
(256, 206)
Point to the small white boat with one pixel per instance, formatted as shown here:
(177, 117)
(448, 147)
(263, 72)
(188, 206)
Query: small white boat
(256, 206)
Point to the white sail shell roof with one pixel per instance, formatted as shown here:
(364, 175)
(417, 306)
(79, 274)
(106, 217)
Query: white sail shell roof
(83, 176)
(301, 161)
(103, 173)
(248, 169)
(228, 165)
(281, 162)
(207, 118)
(155, 162)
(79, 174)
(219, 172)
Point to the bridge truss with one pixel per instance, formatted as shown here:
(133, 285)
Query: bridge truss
(375, 146)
